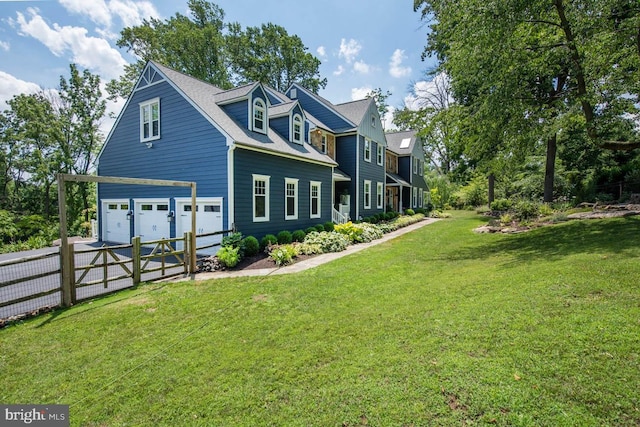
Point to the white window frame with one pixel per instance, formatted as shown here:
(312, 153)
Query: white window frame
(415, 166)
(367, 150)
(379, 195)
(318, 197)
(380, 154)
(323, 143)
(415, 197)
(259, 106)
(297, 121)
(367, 194)
(294, 182)
(420, 197)
(420, 167)
(148, 106)
(266, 180)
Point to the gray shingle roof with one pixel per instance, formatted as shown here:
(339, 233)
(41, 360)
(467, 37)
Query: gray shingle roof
(354, 110)
(202, 95)
(402, 142)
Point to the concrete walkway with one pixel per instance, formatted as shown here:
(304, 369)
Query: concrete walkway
(315, 260)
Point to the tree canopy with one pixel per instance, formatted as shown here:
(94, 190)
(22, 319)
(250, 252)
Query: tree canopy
(204, 46)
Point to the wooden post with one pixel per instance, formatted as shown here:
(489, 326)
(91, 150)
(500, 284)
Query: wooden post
(64, 243)
(186, 245)
(135, 259)
(192, 247)
(71, 267)
(105, 268)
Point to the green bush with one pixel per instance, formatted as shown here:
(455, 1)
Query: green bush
(228, 256)
(359, 233)
(32, 225)
(268, 240)
(501, 205)
(327, 241)
(310, 230)
(525, 210)
(234, 240)
(8, 229)
(409, 212)
(283, 254)
(328, 226)
(251, 246)
(320, 228)
(308, 249)
(298, 236)
(284, 237)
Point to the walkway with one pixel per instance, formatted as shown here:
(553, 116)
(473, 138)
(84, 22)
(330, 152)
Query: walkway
(313, 261)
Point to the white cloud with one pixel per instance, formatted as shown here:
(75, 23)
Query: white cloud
(322, 52)
(361, 67)
(5, 46)
(102, 13)
(339, 70)
(395, 65)
(429, 92)
(358, 93)
(387, 120)
(96, 10)
(89, 52)
(349, 49)
(10, 86)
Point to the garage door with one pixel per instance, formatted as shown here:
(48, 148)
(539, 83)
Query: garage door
(151, 219)
(115, 226)
(208, 220)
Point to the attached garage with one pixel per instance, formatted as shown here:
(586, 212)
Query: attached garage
(208, 220)
(151, 219)
(115, 225)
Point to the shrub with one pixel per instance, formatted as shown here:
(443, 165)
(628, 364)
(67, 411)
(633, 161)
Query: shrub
(308, 249)
(501, 205)
(320, 228)
(310, 230)
(228, 256)
(234, 240)
(251, 246)
(506, 219)
(8, 229)
(526, 210)
(268, 240)
(328, 226)
(32, 225)
(359, 233)
(298, 236)
(284, 237)
(409, 212)
(327, 241)
(283, 254)
(545, 210)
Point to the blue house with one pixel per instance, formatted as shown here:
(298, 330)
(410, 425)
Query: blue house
(405, 162)
(263, 161)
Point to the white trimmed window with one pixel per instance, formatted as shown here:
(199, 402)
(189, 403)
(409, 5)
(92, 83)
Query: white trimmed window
(259, 116)
(367, 150)
(415, 166)
(297, 129)
(379, 195)
(415, 197)
(150, 120)
(261, 198)
(420, 197)
(290, 198)
(315, 211)
(367, 194)
(380, 153)
(323, 144)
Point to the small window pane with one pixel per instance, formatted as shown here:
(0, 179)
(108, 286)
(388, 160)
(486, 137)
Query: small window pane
(212, 208)
(113, 206)
(146, 207)
(163, 207)
(124, 206)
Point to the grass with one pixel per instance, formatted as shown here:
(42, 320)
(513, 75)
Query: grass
(440, 327)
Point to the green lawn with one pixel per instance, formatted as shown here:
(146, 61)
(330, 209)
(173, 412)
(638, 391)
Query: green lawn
(440, 327)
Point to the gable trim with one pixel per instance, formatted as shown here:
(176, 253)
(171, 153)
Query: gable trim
(283, 155)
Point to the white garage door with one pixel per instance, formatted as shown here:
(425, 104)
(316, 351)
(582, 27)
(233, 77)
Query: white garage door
(151, 219)
(115, 226)
(208, 220)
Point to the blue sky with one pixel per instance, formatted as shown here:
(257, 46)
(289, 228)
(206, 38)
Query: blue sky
(362, 44)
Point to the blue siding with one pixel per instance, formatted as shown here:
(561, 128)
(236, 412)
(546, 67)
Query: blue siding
(280, 125)
(405, 168)
(239, 111)
(322, 112)
(247, 163)
(274, 100)
(189, 149)
(346, 159)
(372, 171)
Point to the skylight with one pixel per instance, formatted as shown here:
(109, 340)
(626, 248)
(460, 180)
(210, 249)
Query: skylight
(405, 143)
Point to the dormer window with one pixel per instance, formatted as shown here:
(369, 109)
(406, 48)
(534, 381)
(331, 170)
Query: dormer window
(259, 115)
(297, 129)
(373, 121)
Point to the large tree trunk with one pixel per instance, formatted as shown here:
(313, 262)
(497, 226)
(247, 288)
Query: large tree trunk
(550, 168)
(492, 186)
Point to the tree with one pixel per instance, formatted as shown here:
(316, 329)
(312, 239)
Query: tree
(204, 46)
(528, 71)
(381, 102)
(270, 55)
(82, 110)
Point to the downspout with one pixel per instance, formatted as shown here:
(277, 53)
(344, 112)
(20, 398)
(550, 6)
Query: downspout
(230, 187)
(357, 198)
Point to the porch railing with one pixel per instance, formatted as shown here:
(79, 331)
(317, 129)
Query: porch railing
(337, 217)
